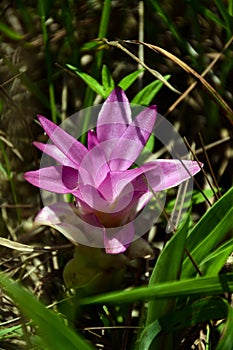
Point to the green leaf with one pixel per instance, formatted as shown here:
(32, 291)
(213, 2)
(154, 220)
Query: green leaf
(54, 333)
(199, 311)
(3, 170)
(209, 232)
(166, 271)
(127, 81)
(225, 342)
(225, 14)
(149, 333)
(10, 33)
(215, 261)
(89, 80)
(193, 286)
(211, 15)
(10, 330)
(107, 81)
(146, 95)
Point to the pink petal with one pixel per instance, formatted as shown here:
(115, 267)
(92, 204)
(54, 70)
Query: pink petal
(55, 153)
(169, 173)
(94, 167)
(91, 197)
(70, 178)
(49, 179)
(117, 241)
(61, 216)
(92, 140)
(132, 141)
(116, 182)
(67, 144)
(114, 117)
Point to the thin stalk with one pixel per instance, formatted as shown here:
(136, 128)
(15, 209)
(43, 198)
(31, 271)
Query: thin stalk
(218, 194)
(48, 61)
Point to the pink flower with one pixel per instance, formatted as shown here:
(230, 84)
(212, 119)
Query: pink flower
(108, 193)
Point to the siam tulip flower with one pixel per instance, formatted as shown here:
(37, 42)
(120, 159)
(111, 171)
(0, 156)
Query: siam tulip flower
(108, 189)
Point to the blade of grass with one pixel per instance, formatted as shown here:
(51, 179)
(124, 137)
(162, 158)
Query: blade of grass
(156, 6)
(199, 311)
(42, 11)
(215, 261)
(193, 286)
(225, 15)
(10, 33)
(209, 232)
(53, 331)
(164, 271)
(225, 342)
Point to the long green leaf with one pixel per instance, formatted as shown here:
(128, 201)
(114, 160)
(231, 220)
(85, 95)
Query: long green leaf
(226, 342)
(167, 268)
(10, 33)
(209, 232)
(55, 334)
(166, 271)
(146, 95)
(107, 81)
(127, 81)
(199, 311)
(215, 261)
(89, 80)
(193, 286)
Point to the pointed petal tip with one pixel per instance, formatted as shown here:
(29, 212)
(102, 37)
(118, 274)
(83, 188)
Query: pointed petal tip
(153, 107)
(41, 117)
(117, 95)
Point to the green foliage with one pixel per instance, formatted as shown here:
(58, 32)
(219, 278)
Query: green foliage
(129, 79)
(146, 95)
(187, 287)
(89, 80)
(55, 334)
(37, 40)
(208, 234)
(164, 271)
(197, 312)
(10, 33)
(107, 81)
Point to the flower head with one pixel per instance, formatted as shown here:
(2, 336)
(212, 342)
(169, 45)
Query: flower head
(109, 193)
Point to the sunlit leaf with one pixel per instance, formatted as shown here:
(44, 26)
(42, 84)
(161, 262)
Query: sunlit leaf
(127, 81)
(209, 232)
(146, 95)
(193, 286)
(89, 80)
